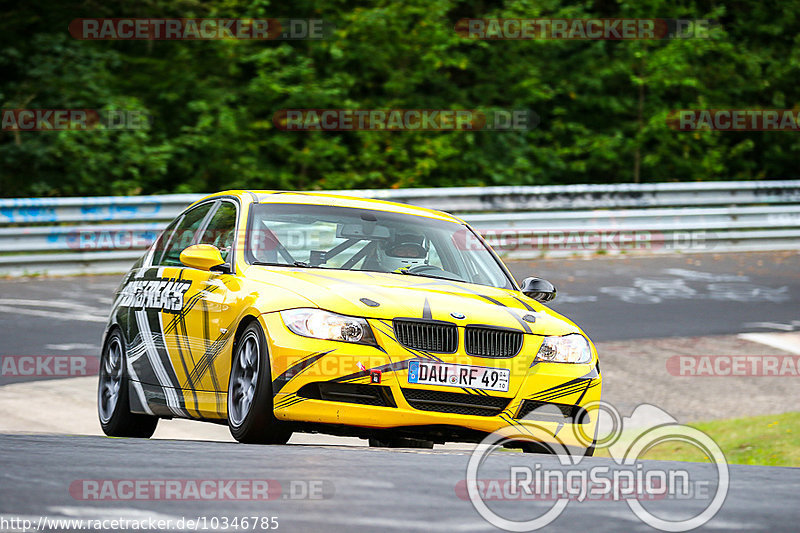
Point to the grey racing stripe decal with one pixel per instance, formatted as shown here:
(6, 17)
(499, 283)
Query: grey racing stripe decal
(525, 304)
(524, 324)
(487, 298)
(426, 309)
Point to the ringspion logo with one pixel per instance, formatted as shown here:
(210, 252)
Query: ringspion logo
(562, 477)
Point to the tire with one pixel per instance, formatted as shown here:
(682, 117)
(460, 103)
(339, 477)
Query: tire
(251, 418)
(113, 403)
(545, 449)
(575, 451)
(588, 452)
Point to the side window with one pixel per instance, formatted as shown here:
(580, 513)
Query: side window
(163, 241)
(220, 230)
(184, 235)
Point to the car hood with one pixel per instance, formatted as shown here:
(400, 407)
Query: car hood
(356, 293)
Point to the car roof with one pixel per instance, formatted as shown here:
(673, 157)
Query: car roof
(336, 200)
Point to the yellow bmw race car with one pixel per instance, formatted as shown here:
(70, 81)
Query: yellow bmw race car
(277, 312)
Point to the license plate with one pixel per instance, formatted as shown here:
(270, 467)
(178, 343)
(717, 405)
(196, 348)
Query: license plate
(450, 375)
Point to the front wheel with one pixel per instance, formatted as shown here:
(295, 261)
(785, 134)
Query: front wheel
(250, 407)
(546, 449)
(113, 405)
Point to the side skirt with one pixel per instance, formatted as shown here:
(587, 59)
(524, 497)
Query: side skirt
(211, 403)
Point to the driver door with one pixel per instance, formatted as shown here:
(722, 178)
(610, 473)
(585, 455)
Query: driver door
(179, 360)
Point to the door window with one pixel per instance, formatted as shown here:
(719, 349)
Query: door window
(221, 230)
(184, 235)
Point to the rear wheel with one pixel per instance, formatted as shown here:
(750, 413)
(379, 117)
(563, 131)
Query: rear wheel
(113, 404)
(250, 406)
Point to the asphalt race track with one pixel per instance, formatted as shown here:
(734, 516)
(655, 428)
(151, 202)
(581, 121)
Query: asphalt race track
(364, 489)
(675, 296)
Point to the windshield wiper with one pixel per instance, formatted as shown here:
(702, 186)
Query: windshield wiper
(420, 274)
(296, 263)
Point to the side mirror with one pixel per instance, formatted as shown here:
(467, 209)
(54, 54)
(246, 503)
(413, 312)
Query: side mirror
(202, 257)
(539, 289)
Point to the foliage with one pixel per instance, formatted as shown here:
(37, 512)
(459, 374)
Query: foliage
(602, 104)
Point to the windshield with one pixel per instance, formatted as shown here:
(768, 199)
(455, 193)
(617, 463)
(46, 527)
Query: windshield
(345, 238)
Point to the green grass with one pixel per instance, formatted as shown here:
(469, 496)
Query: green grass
(772, 440)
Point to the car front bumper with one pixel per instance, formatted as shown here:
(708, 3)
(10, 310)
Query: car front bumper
(334, 383)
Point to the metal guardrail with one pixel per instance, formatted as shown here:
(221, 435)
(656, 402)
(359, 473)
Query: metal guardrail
(107, 234)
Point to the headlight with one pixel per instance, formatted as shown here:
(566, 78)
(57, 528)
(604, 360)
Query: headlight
(321, 324)
(573, 348)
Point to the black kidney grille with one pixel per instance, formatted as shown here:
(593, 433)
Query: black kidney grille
(491, 342)
(427, 336)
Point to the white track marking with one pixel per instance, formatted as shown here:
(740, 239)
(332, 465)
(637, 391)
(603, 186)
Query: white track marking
(788, 342)
(74, 346)
(56, 315)
(703, 276)
(103, 513)
(71, 310)
(58, 304)
(771, 325)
